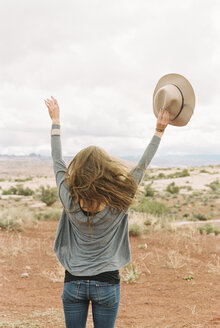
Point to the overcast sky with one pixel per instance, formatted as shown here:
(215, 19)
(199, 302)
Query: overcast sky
(102, 60)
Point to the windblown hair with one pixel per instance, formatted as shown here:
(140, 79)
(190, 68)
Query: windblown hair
(96, 178)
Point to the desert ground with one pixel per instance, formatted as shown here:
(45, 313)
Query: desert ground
(174, 278)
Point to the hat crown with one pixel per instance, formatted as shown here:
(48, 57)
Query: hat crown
(169, 97)
(174, 93)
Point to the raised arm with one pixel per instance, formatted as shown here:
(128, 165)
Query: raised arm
(59, 165)
(138, 171)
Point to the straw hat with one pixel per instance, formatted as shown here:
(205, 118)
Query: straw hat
(174, 93)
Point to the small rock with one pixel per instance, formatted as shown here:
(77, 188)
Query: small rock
(28, 267)
(25, 275)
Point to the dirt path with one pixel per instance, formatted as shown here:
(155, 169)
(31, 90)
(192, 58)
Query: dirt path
(178, 284)
(216, 223)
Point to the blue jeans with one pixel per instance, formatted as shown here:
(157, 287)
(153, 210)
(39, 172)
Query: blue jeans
(105, 298)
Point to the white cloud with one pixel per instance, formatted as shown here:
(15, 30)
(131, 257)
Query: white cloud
(102, 60)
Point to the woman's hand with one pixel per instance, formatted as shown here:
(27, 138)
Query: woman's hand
(53, 109)
(162, 122)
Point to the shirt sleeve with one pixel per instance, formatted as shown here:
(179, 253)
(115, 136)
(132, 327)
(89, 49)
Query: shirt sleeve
(59, 167)
(138, 172)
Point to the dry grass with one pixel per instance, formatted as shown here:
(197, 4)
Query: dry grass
(145, 220)
(52, 318)
(175, 260)
(56, 275)
(19, 245)
(214, 265)
(15, 218)
(130, 273)
(156, 257)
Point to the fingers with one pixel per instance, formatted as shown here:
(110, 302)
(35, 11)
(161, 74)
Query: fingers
(165, 117)
(55, 101)
(51, 104)
(160, 114)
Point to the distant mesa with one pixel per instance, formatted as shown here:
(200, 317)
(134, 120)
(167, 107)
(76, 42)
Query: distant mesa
(34, 155)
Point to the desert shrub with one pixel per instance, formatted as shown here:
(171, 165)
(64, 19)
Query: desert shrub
(1, 179)
(149, 191)
(151, 207)
(188, 188)
(172, 188)
(203, 171)
(24, 191)
(50, 214)
(199, 216)
(47, 195)
(130, 273)
(181, 174)
(214, 185)
(142, 246)
(23, 180)
(196, 194)
(161, 176)
(11, 191)
(14, 218)
(156, 177)
(135, 230)
(188, 278)
(10, 224)
(18, 190)
(208, 228)
(148, 222)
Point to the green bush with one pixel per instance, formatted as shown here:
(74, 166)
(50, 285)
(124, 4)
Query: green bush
(135, 230)
(47, 195)
(18, 190)
(172, 188)
(50, 214)
(149, 191)
(10, 224)
(181, 174)
(23, 180)
(208, 228)
(214, 185)
(24, 191)
(11, 191)
(203, 171)
(199, 216)
(151, 207)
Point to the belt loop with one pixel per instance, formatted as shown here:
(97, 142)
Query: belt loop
(88, 287)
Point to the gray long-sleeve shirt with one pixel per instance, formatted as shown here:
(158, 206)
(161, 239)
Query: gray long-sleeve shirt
(86, 252)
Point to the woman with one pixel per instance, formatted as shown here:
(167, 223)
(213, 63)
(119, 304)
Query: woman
(92, 241)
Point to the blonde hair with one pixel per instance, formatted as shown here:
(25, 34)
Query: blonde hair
(96, 178)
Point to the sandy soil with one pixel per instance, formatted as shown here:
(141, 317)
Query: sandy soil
(179, 280)
(160, 298)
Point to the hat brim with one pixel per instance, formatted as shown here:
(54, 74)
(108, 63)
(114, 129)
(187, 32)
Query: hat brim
(188, 95)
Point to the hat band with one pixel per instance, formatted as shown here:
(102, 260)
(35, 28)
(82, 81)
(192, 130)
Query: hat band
(181, 105)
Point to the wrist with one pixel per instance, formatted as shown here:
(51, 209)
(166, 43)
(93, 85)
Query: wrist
(55, 121)
(159, 133)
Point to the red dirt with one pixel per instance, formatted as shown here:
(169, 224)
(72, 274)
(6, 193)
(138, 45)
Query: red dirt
(160, 298)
